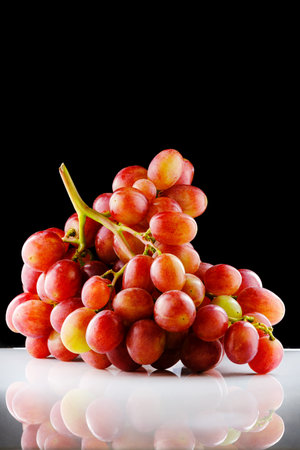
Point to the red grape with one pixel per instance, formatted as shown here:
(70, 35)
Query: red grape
(192, 200)
(97, 360)
(260, 318)
(241, 342)
(105, 331)
(40, 287)
(32, 318)
(146, 187)
(29, 278)
(133, 304)
(136, 246)
(62, 310)
(121, 359)
(198, 355)
(211, 323)
(58, 349)
(92, 268)
(137, 273)
(165, 168)
(90, 229)
(187, 173)
(42, 249)
(167, 272)
(264, 301)
(203, 267)
(195, 288)
(63, 280)
(21, 298)
(222, 279)
(249, 279)
(128, 205)
(161, 204)
(95, 292)
(145, 341)
(104, 245)
(269, 355)
(127, 176)
(37, 346)
(174, 311)
(101, 203)
(186, 253)
(173, 228)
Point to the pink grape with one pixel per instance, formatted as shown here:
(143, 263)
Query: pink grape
(187, 173)
(211, 323)
(136, 246)
(32, 318)
(58, 349)
(133, 304)
(96, 360)
(29, 278)
(62, 310)
(173, 228)
(42, 249)
(63, 280)
(249, 279)
(145, 341)
(161, 204)
(137, 273)
(269, 355)
(146, 187)
(95, 292)
(264, 301)
(105, 331)
(21, 298)
(186, 253)
(127, 176)
(37, 346)
(101, 203)
(128, 205)
(174, 311)
(167, 272)
(104, 246)
(191, 199)
(203, 267)
(222, 279)
(241, 342)
(90, 229)
(195, 288)
(165, 168)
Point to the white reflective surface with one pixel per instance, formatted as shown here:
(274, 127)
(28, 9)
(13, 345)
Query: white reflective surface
(52, 404)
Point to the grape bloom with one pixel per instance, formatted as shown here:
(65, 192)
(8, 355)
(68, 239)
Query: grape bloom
(122, 284)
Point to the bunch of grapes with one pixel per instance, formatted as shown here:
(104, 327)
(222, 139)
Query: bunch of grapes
(123, 285)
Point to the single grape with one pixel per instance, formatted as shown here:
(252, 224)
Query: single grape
(127, 176)
(211, 323)
(136, 246)
(101, 203)
(187, 173)
(32, 318)
(121, 359)
(241, 342)
(96, 360)
(167, 272)
(37, 346)
(21, 298)
(73, 330)
(58, 349)
(229, 304)
(96, 292)
(128, 206)
(198, 355)
(29, 279)
(40, 287)
(203, 267)
(161, 204)
(146, 187)
(174, 311)
(104, 246)
(145, 341)
(191, 199)
(173, 228)
(42, 249)
(105, 331)
(222, 279)
(137, 273)
(168, 358)
(195, 288)
(62, 310)
(92, 268)
(249, 279)
(63, 280)
(165, 168)
(269, 355)
(186, 253)
(91, 228)
(133, 304)
(263, 301)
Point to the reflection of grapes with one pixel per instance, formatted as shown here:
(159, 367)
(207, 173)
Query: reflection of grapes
(122, 284)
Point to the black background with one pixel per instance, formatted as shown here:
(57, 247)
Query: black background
(234, 118)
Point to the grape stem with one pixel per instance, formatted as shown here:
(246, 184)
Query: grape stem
(257, 325)
(84, 211)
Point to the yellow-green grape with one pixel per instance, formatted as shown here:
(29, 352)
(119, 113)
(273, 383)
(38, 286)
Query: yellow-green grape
(231, 306)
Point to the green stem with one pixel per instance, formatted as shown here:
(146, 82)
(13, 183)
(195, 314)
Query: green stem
(83, 211)
(257, 325)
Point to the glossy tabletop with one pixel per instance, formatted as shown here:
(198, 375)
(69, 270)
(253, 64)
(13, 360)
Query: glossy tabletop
(51, 404)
